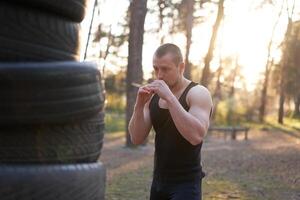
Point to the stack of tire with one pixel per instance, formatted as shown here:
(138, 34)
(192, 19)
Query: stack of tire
(51, 105)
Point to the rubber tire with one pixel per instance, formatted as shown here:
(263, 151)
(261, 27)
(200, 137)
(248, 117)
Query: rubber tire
(54, 92)
(71, 9)
(52, 182)
(31, 35)
(65, 143)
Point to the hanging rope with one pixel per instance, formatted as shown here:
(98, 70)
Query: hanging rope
(90, 29)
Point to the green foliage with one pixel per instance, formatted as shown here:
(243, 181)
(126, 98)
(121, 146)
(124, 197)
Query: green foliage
(291, 71)
(116, 83)
(286, 73)
(114, 122)
(221, 113)
(290, 126)
(231, 112)
(115, 112)
(115, 103)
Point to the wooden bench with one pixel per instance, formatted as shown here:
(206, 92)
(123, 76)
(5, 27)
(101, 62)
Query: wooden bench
(232, 130)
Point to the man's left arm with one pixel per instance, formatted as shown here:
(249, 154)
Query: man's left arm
(192, 124)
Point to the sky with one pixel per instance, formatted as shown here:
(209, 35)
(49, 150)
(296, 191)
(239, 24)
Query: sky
(245, 32)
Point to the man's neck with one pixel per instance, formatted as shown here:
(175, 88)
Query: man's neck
(179, 85)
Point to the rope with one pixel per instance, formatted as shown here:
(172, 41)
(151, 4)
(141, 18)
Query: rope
(90, 29)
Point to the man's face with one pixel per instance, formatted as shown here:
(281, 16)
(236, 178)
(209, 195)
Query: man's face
(165, 69)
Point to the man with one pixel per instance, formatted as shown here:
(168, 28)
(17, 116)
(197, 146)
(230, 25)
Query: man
(179, 111)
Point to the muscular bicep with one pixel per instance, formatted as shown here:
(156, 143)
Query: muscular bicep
(200, 103)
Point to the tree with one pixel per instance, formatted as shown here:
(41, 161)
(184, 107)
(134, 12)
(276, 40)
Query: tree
(165, 11)
(268, 68)
(114, 39)
(217, 95)
(231, 95)
(292, 72)
(284, 62)
(189, 4)
(297, 106)
(138, 10)
(206, 70)
(184, 23)
(182, 20)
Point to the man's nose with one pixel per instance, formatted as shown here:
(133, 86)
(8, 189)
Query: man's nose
(160, 75)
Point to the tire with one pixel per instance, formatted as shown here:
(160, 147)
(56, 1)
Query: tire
(71, 9)
(54, 92)
(31, 35)
(66, 143)
(52, 182)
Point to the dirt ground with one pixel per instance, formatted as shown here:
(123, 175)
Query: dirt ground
(266, 166)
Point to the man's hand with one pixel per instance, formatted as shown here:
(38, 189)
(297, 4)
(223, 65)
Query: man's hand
(143, 95)
(161, 89)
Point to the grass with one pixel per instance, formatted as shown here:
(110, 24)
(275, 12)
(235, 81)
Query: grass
(130, 186)
(289, 125)
(260, 184)
(136, 186)
(221, 188)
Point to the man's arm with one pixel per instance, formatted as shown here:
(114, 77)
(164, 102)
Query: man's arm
(193, 124)
(140, 122)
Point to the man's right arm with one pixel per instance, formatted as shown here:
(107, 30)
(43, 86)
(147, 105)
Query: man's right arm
(140, 123)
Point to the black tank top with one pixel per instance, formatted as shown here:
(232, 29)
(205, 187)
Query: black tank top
(175, 159)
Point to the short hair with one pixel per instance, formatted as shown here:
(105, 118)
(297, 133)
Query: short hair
(172, 49)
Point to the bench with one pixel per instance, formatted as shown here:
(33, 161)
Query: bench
(231, 130)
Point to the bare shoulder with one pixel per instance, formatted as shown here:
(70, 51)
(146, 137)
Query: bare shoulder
(199, 95)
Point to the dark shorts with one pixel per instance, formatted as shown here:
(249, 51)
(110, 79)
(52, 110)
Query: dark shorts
(188, 190)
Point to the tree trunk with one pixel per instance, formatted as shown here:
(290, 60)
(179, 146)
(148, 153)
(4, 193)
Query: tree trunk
(284, 64)
(231, 100)
(281, 107)
(189, 29)
(264, 92)
(206, 71)
(109, 44)
(297, 106)
(138, 10)
(217, 96)
(282, 75)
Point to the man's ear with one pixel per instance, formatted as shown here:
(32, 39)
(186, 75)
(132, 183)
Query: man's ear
(181, 67)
